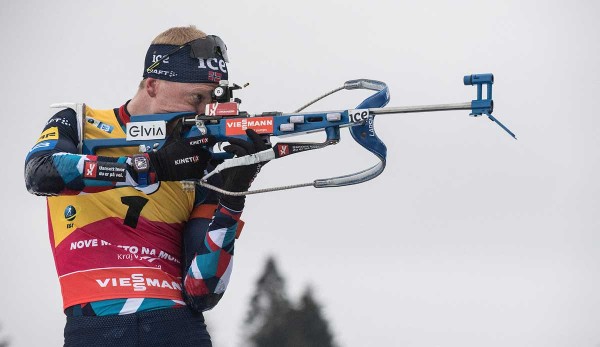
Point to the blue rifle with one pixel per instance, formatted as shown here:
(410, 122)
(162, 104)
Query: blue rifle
(223, 120)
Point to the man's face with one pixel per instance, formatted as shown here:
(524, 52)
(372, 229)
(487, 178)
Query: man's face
(182, 97)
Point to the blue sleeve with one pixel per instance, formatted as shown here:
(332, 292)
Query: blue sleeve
(54, 166)
(208, 245)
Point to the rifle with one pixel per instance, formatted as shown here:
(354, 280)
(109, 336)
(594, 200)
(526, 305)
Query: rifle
(223, 119)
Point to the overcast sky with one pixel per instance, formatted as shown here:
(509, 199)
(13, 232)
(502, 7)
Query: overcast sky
(469, 238)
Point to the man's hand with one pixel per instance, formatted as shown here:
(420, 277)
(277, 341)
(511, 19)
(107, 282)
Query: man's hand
(238, 179)
(181, 159)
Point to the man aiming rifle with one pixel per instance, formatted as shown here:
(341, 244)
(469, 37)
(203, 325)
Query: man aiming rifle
(140, 250)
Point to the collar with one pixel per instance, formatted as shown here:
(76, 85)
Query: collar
(124, 115)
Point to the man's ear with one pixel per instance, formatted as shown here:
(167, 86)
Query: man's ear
(152, 85)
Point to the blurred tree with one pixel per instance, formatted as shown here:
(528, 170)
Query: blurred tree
(268, 308)
(313, 328)
(3, 342)
(273, 322)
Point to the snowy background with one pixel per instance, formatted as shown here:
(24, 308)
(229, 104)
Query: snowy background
(469, 238)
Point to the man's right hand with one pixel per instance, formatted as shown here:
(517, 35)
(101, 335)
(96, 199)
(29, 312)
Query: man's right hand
(181, 159)
(239, 179)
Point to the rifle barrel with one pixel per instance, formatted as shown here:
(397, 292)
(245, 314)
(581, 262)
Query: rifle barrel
(422, 108)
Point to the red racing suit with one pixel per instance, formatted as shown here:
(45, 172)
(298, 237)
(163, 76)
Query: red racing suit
(120, 247)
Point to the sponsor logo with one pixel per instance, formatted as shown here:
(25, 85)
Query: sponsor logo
(48, 134)
(114, 172)
(358, 116)
(262, 125)
(41, 145)
(90, 169)
(98, 124)
(211, 109)
(187, 160)
(138, 282)
(222, 109)
(163, 72)
(201, 141)
(105, 127)
(213, 64)
(283, 150)
(70, 213)
(62, 121)
(371, 127)
(301, 147)
(157, 57)
(81, 244)
(146, 130)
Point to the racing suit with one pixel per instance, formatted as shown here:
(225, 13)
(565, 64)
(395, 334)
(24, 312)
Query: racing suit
(121, 247)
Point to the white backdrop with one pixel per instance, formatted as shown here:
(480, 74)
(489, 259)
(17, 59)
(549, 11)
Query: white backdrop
(469, 238)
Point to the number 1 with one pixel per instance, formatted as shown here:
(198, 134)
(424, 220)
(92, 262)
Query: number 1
(136, 204)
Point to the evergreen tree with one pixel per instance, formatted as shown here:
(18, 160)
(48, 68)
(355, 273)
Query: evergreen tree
(273, 322)
(314, 328)
(3, 342)
(268, 308)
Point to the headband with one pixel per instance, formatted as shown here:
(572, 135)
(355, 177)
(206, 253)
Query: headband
(198, 61)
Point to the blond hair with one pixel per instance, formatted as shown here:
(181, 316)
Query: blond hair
(176, 36)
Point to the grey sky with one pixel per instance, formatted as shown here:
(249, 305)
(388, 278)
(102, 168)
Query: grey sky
(468, 238)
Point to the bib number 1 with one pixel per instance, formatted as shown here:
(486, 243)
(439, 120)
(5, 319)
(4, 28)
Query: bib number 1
(135, 204)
